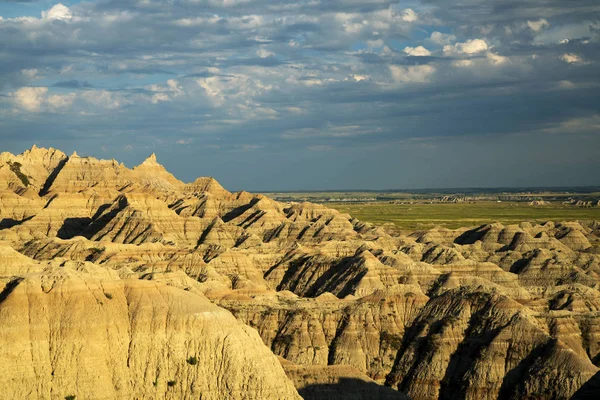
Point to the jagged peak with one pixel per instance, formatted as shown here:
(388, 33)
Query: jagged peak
(150, 160)
(74, 155)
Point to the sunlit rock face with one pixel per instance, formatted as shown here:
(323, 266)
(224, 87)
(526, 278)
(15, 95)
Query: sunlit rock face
(127, 283)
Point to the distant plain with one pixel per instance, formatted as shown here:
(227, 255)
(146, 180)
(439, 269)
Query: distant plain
(425, 209)
(456, 215)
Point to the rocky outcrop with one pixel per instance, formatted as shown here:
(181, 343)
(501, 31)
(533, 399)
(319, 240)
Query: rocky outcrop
(74, 333)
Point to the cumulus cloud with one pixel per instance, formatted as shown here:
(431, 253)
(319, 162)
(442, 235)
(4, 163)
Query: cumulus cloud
(412, 74)
(572, 58)
(442, 38)
(58, 12)
(409, 15)
(30, 98)
(158, 97)
(360, 78)
(103, 99)
(469, 47)
(418, 51)
(496, 58)
(61, 101)
(262, 52)
(30, 73)
(538, 25)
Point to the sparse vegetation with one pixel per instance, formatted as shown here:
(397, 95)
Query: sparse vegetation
(235, 281)
(70, 397)
(94, 252)
(202, 275)
(192, 360)
(286, 339)
(16, 168)
(108, 296)
(390, 340)
(455, 215)
(171, 383)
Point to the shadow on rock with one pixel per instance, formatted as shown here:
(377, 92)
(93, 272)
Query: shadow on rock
(350, 389)
(590, 390)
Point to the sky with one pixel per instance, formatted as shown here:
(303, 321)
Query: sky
(311, 94)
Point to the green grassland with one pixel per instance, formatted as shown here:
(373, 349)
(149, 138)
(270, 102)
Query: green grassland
(455, 215)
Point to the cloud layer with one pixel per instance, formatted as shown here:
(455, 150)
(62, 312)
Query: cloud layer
(312, 94)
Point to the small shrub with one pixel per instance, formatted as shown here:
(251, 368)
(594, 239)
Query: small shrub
(94, 251)
(192, 360)
(391, 340)
(70, 397)
(286, 339)
(171, 383)
(108, 296)
(235, 280)
(435, 340)
(202, 275)
(16, 168)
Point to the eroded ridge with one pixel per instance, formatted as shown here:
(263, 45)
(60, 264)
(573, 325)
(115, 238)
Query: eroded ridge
(118, 282)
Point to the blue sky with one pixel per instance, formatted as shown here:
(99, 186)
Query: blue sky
(313, 94)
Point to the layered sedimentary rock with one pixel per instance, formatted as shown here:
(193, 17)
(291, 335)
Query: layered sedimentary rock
(118, 282)
(91, 335)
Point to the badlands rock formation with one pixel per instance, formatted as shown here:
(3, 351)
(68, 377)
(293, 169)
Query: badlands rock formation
(127, 283)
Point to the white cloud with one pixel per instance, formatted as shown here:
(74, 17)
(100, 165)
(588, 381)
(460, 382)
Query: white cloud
(442, 38)
(264, 53)
(572, 58)
(538, 25)
(160, 97)
(30, 98)
(462, 63)
(409, 15)
(102, 98)
(31, 73)
(491, 59)
(59, 101)
(58, 12)
(469, 47)
(411, 74)
(590, 123)
(360, 78)
(375, 44)
(418, 51)
(165, 92)
(213, 89)
(496, 58)
(296, 110)
(175, 87)
(566, 85)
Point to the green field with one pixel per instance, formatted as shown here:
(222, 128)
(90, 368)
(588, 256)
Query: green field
(455, 215)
